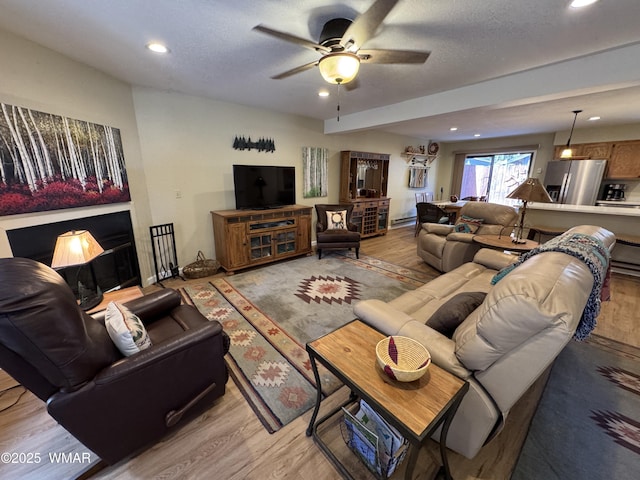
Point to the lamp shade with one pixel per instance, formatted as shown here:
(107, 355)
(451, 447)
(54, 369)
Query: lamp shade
(76, 247)
(566, 153)
(531, 190)
(339, 67)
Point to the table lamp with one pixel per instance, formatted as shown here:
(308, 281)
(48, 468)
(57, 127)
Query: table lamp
(78, 248)
(531, 190)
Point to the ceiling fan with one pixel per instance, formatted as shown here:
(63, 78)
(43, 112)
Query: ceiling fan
(340, 45)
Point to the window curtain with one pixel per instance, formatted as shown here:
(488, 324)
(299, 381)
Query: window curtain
(314, 171)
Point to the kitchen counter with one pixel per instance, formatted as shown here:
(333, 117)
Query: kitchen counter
(625, 211)
(622, 221)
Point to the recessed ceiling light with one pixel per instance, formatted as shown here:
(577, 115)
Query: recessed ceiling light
(157, 47)
(476, 134)
(582, 3)
(323, 93)
(593, 119)
(453, 129)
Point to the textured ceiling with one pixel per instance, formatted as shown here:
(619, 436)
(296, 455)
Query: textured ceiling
(474, 46)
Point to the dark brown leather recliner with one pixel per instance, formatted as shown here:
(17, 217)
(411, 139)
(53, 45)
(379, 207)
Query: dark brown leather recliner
(114, 405)
(343, 238)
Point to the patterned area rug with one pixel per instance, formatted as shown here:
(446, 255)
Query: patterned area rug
(270, 314)
(587, 425)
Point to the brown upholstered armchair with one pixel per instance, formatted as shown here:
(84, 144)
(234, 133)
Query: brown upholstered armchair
(114, 405)
(341, 234)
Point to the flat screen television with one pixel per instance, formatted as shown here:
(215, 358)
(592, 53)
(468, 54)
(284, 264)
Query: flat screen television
(260, 186)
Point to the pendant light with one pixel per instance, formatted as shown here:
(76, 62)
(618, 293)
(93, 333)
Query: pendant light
(567, 152)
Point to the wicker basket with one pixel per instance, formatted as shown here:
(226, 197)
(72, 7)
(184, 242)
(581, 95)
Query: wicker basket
(202, 267)
(402, 358)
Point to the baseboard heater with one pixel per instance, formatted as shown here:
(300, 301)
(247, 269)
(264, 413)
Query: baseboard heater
(398, 221)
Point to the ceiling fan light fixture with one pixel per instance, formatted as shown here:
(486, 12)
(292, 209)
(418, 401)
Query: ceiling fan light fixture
(339, 67)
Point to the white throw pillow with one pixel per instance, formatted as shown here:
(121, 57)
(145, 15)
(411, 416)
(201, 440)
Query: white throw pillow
(337, 220)
(126, 329)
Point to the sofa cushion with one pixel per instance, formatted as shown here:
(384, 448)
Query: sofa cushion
(466, 224)
(126, 329)
(453, 312)
(337, 220)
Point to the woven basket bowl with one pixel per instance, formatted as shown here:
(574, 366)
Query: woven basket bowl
(402, 358)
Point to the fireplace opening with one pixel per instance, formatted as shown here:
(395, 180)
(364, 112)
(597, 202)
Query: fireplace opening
(116, 268)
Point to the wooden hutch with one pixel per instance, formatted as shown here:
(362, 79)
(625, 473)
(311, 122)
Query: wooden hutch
(363, 182)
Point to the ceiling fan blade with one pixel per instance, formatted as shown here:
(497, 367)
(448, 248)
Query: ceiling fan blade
(296, 70)
(292, 38)
(392, 56)
(365, 25)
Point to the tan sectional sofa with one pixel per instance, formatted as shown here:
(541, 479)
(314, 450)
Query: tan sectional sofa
(504, 344)
(445, 249)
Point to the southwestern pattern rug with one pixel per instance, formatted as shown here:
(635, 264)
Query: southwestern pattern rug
(587, 425)
(271, 313)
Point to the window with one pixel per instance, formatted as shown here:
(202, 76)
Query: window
(491, 176)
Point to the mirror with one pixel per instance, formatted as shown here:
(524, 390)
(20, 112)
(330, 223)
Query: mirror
(369, 178)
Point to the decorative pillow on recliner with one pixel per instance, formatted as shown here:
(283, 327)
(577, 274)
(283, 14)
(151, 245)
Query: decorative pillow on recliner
(453, 312)
(337, 220)
(467, 224)
(126, 329)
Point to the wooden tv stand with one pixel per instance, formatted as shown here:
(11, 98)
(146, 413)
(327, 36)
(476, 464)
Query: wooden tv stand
(246, 238)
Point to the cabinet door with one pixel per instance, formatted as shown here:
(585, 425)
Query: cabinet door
(260, 246)
(356, 216)
(304, 234)
(236, 247)
(597, 151)
(625, 161)
(577, 151)
(285, 242)
(383, 216)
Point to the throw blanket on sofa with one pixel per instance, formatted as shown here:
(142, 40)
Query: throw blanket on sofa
(593, 253)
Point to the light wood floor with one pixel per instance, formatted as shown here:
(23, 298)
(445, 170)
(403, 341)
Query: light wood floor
(229, 443)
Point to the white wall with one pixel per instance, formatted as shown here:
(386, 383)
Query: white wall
(41, 79)
(174, 142)
(186, 145)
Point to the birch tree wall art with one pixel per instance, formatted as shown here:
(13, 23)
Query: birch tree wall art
(49, 162)
(314, 172)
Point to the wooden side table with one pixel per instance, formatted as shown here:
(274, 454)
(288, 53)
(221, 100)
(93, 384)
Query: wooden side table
(416, 408)
(121, 296)
(504, 242)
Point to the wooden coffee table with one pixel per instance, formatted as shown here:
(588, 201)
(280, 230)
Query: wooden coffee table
(504, 242)
(416, 408)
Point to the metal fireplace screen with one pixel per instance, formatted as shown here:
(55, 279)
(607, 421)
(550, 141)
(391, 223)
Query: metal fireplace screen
(165, 259)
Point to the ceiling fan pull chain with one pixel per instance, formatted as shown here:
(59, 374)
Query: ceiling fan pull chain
(338, 102)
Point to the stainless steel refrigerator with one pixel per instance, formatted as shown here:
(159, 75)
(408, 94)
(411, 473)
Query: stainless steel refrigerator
(574, 182)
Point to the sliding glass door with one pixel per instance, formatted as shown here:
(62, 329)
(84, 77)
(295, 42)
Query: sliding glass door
(492, 177)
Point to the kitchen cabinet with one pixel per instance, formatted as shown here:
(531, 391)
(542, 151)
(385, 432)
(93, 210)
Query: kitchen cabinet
(597, 151)
(584, 151)
(625, 161)
(245, 238)
(363, 182)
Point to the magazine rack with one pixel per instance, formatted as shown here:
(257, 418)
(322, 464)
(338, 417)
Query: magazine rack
(380, 457)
